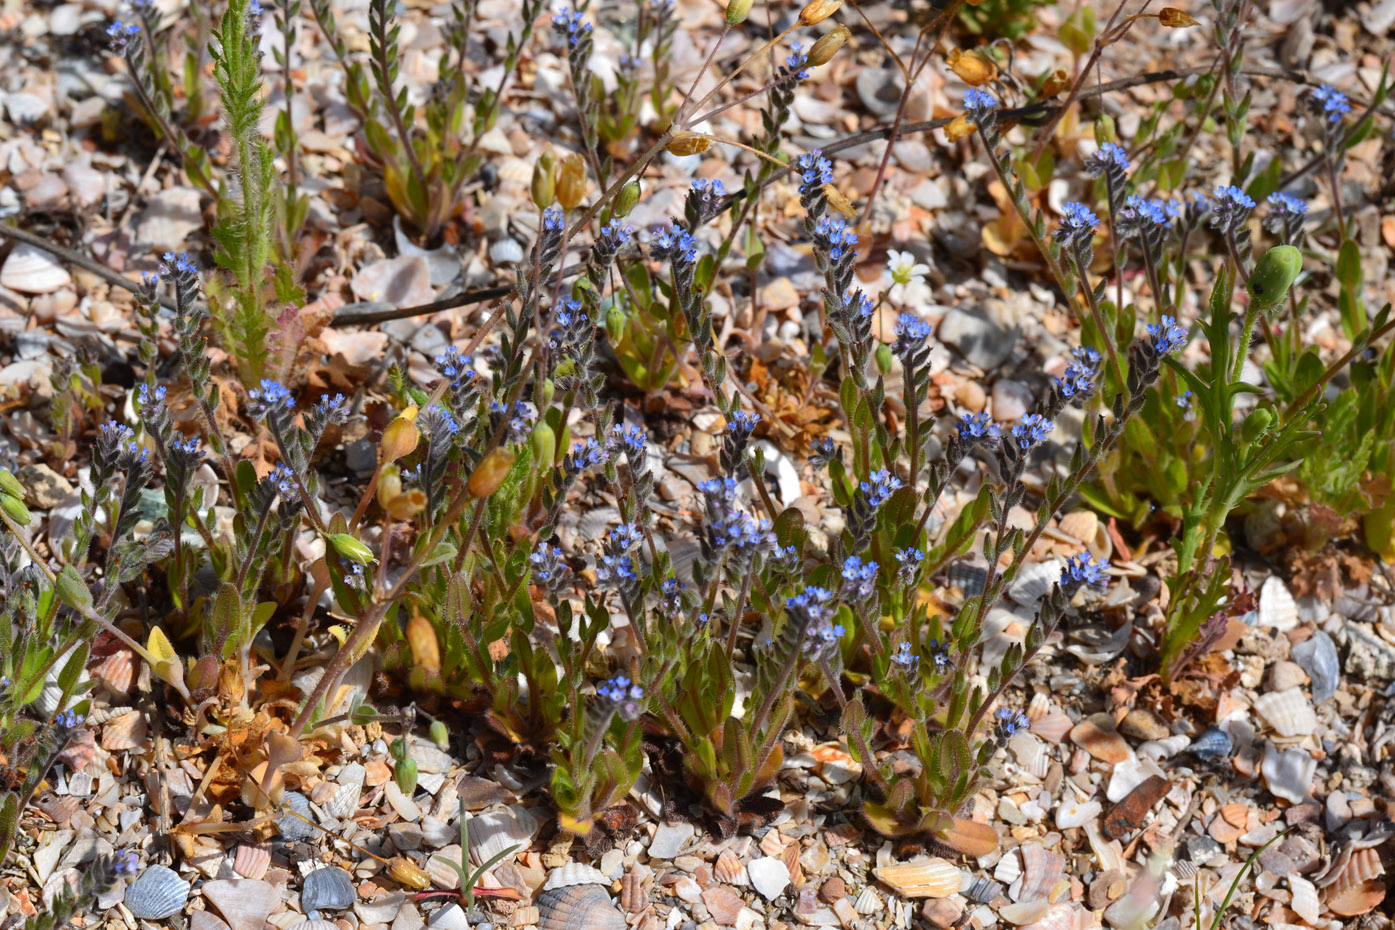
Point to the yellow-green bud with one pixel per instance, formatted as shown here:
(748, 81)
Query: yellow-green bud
(544, 184)
(827, 46)
(350, 548)
(627, 198)
(405, 772)
(1274, 274)
(10, 484)
(544, 445)
(440, 735)
(571, 181)
(72, 590)
(1256, 423)
(14, 508)
(737, 11)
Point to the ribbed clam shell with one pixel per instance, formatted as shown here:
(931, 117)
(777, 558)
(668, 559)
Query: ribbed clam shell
(498, 831)
(1059, 917)
(1052, 727)
(568, 875)
(157, 893)
(293, 829)
(729, 868)
(505, 251)
(1034, 582)
(314, 923)
(345, 801)
(1277, 609)
(1305, 901)
(31, 270)
(983, 890)
(1289, 712)
(525, 916)
(1008, 869)
(929, 878)
(251, 861)
(771, 844)
(1039, 706)
(124, 732)
(1041, 870)
(116, 672)
(1031, 754)
(578, 907)
(1359, 888)
(868, 901)
(968, 577)
(329, 889)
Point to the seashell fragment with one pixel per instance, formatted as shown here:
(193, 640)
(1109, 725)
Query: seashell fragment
(1305, 899)
(1277, 609)
(1024, 912)
(505, 251)
(578, 907)
(156, 893)
(1358, 888)
(1289, 712)
(1288, 773)
(1009, 868)
(1038, 706)
(313, 923)
(729, 868)
(1031, 754)
(329, 889)
(573, 873)
(769, 876)
(1052, 727)
(1077, 814)
(244, 903)
(345, 801)
(1041, 870)
(1062, 916)
(868, 901)
(293, 829)
(497, 832)
(31, 270)
(1318, 657)
(1212, 744)
(1034, 582)
(982, 891)
(929, 878)
(251, 861)
(124, 732)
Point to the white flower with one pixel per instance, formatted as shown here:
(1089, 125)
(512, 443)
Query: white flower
(904, 279)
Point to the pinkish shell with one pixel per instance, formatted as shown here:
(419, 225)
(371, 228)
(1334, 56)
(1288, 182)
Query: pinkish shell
(251, 861)
(1052, 727)
(116, 672)
(1041, 870)
(578, 907)
(124, 732)
(1061, 916)
(1038, 707)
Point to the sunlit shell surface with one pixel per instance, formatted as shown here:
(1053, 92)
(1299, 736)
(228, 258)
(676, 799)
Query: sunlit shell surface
(1061, 916)
(251, 861)
(578, 907)
(1052, 727)
(929, 878)
(294, 829)
(329, 889)
(346, 797)
(124, 732)
(1034, 582)
(1289, 712)
(1277, 610)
(573, 873)
(1041, 870)
(498, 831)
(1024, 912)
(729, 868)
(868, 901)
(31, 270)
(157, 893)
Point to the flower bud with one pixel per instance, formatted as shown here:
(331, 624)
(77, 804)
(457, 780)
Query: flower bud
(1274, 274)
(350, 548)
(14, 508)
(971, 67)
(10, 484)
(440, 735)
(1174, 18)
(401, 436)
(817, 11)
(543, 442)
(544, 183)
(571, 181)
(72, 590)
(405, 773)
(827, 46)
(627, 198)
(1256, 424)
(688, 143)
(490, 473)
(737, 11)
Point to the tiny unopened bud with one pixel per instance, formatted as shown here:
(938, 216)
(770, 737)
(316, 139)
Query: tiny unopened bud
(737, 11)
(971, 67)
(1256, 424)
(10, 484)
(350, 548)
(827, 46)
(543, 442)
(688, 143)
(544, 184)
(440, 735)
(817, 11)
(1174, 18)
(627, 198)
(405, 773)
(14, 508)
(489, 474)
(1055, 82)
(571, 181)
(400, 437)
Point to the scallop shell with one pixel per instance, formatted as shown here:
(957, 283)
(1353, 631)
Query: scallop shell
(116, 672)
(1052, 727)
(124, 732)
(314, 923)
(1359, 888)
(1085, 526)
(1305, 899)
(345, 801)
(573, 873)
(1289, 712)
(1213, 743)
(929, 878)
(1034, 582)
(251, 861)
(498, 831)
(771, 844)
(868, 901)
(31, 270)
(157, 893)
(1009, 868)
(1038, 706)
(1041, 870)
(968, 577)
(293, 829)
(505, 251)
(578, 907)
(1277, 609)
(329, 889)
(728, 868)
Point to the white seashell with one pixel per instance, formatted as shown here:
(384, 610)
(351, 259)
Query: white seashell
(1160, 749)
(1288, 773)
(928, 878)
(1277, 610)
(505, 251)
(1062, 916)
(31, 270)
(1289, 712)
(769, 876)
(573, 873)
(314, 923)
(244, 903)
(498, 831)
(1128, 775)
(345, 801)
(1034, 582)
(1305, 899)
(1031, 754)
(868, 901)
(1008, 869)
(1075, 814)
(1024, 913)
(156, 893)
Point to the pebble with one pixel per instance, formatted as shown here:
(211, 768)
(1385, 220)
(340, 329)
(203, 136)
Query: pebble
(833, 889)
(64, 19)
(978, 338)
(971, 396)
(1318, 657)
(1075, 814)
(669, 839)
(1285, 674)
(24, 108)
(1011, 400)
(46, 488)
(769, 876)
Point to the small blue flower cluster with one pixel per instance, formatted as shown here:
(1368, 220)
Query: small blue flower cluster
(1011, 722)
(673, 244)
(859, 579)
(630, 438)
(1083, 569)
(455, 366)
(177, 264)
(148, 398)
(1167, 336)
(68, 720)
(814, 171)
(908, 661)
(554, 220)
(912, 333)
(1231, 209)
(705, 201)
(1331, 102)
(880, 488)
(796, 62)
(584, 455)
(568, 24)
(978, 427)
(832, 235)
(908, 562)
(436, 421)
(121, 34)
(126, 863)
(548, 567)
(1077, 226)
(822, 451)
(1032, 429)
(269, 398)
(1110, 157)
(979, 105)
(284, 480)
(623, 695)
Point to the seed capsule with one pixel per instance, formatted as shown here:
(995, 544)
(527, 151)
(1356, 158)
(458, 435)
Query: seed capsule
(544, 183)
(1174, 18)
(401, 436)
(406, 872)
(1274, 274)
(688, 143)
(974, 69)
(1055, 82)
(737, 11)
(10, 484)
(627, 198)
(490, 473)
(827, 46)
(426, 649)
(14, 508)
(350, 548)
(818, 11)
(571, 181)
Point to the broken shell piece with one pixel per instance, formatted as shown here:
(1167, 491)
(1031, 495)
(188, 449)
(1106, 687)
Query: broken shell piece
(1077, 814)
(729, 868)
(1052, 727)
(868, 901)
(31, 270)
(251, 861)
(1288, 773)
(573, 873)
(497, 832)
(1041, 870)
(1277, 609)
(329, 889)
(1025, 912)
(929, 878)
(1289, 712)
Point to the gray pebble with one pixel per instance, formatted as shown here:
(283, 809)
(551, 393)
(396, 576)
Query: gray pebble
(1318, 657)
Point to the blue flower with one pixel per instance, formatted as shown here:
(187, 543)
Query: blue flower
(126, 863)
(721, 488)
(554, 220)
(631, 438)
(1167, 336)
(584, 455)
(1287, 203)
(1031, 429)
(1011, 722)
(455, 366)
(1083, 569)
(271, 396)
(1184, 401)
(1077, 224)
(1332, 103)
(822, 451)
(741, 424)
(618, 232)
(148, 398)
(1110, 157)
(1077, 382)
(814, 171)
(1087, 356)
(1151, 211)
(977, 427)
(284, 479)
(625, 537)
(978, 104)
(908, 562)
(177, 264)
(880, 487)
(120, 35)
(673, 244)
(623, 695)
(629, 64)
(1228, 193)
(436, 420)
(548, 567)
(68, 720)
(907, 660)
(911, 335)
(617, 571)
(796, 61)
(859, 578)
(939, 652)
(569, 25)
(832, 235)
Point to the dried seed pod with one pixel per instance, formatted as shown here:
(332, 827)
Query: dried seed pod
(406, 872)
(1174, 18)
(543, 186)
(688, 143)
(571, 181)
(491, 472)
(817, 11)
(828, 45)
(971, 67)
(426, 649)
